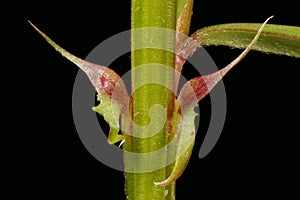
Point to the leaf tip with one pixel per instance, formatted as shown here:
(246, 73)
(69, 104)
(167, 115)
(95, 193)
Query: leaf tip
(36, 28)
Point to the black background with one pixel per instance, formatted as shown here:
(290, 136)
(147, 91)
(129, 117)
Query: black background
(257, 155)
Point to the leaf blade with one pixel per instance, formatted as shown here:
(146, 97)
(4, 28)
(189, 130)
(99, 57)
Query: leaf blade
(278, 39)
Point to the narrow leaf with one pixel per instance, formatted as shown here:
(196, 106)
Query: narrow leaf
(106, 81)
(278, 39)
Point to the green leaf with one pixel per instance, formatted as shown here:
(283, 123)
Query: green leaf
(111, 111)
(278, 39)
(185, 144)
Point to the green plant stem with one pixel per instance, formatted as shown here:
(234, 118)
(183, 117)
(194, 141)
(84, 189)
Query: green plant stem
(159, 14)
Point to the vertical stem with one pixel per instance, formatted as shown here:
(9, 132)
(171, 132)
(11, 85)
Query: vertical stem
(158, 14)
